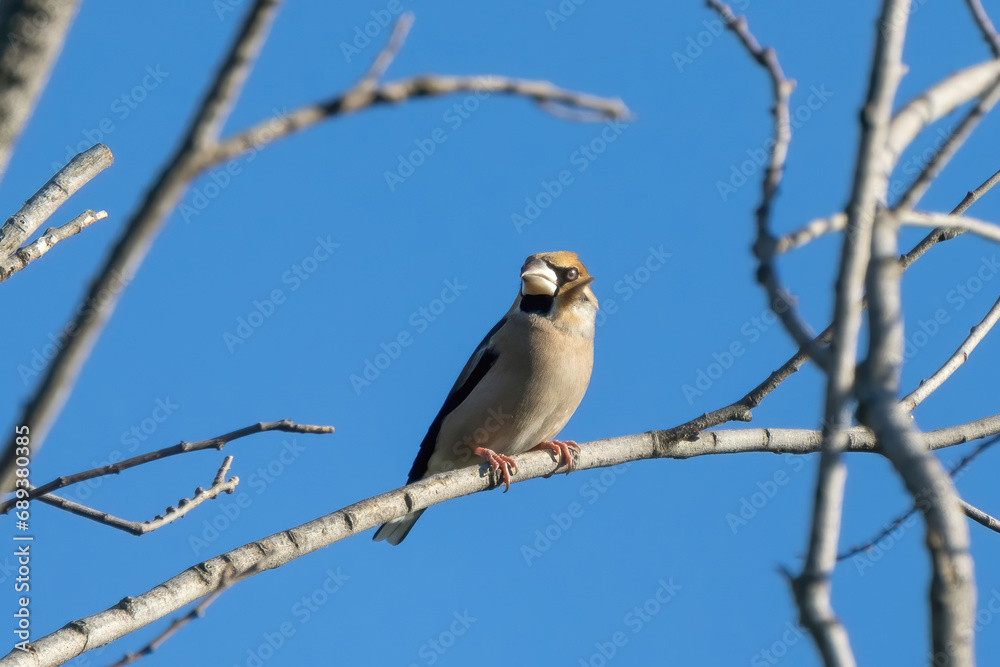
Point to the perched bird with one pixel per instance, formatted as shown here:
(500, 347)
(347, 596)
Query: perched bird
(521, 385)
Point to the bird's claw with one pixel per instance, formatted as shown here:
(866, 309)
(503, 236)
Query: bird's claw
(504, 464)
(563, 450)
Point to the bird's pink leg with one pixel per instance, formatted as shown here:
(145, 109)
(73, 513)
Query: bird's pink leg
(504, 464)
(562, 448)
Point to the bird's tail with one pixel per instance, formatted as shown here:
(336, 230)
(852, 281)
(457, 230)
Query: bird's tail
(395, 531)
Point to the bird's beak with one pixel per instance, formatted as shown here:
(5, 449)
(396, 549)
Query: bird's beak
(538, 279)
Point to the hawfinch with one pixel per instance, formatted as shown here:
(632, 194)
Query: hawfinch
(521, 385)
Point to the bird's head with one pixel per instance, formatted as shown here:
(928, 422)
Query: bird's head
(555, 279)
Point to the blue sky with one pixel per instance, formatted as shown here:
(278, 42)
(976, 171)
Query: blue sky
(643, 563)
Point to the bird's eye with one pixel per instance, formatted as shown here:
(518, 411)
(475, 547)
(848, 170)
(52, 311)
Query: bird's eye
(572, 274)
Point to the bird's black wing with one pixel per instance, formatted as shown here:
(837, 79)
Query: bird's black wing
(475, 370)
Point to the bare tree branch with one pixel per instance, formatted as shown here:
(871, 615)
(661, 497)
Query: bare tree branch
(219, 486)
(813, 586)
(34, 32)
(938, 101)
(895, 523)
(780, 299)
(218, 442)
(366, 84)
(987, 230)
(276, 550)
(985, 26)
(200, 150)
(947, 232)
(404, 90)
(923, 110)
(973, 196)
(980, 516)
(175, 625)
(740, 410)
(961, 355)
(225, 90)
(953, 595)
(948, 149)
(810, 231)
(132, 246)
(77, 173)
(51, 236)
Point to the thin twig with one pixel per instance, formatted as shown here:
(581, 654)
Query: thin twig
(779, 298)
(175, 626)
(973, 196)
(219, 486)
(278, 549)
(225, 583)
(985, 26)
(979, 516)
(895, 523)
(77, 173)
(961, 355)
(405, 90)
(29, 253)
(810, 231)
(366, 84)
(182, 447)
(232, 75)
(987, 230)
(947, 232)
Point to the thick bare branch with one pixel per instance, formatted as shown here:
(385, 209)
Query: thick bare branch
(172, 629)
(51, 196)
(271, 552)
(34, 32)
(813, 586)
(51, 236)
(953, 595)
(937, 102)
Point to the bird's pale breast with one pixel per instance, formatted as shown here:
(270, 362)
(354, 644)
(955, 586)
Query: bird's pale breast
(526, 398)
